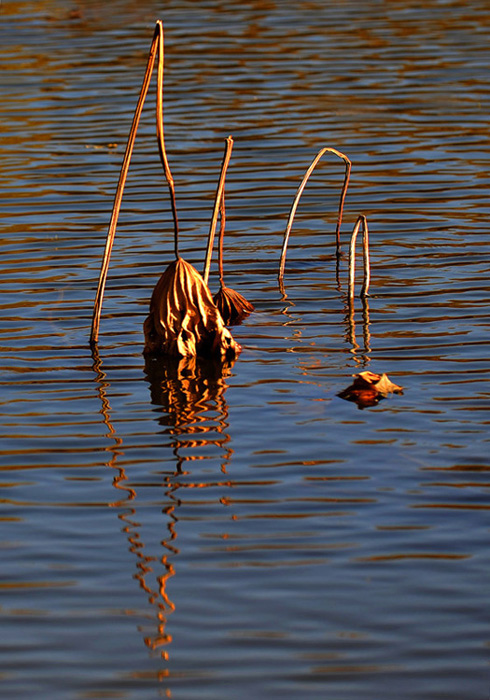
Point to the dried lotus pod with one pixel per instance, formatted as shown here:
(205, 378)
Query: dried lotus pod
(183, 319)
(232, 306)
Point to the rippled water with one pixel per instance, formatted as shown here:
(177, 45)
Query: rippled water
(185, 532)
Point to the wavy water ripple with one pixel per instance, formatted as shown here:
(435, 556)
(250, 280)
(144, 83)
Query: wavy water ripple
(195, 532)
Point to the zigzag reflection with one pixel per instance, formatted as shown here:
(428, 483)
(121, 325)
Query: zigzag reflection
(188, 392)
(361, 356)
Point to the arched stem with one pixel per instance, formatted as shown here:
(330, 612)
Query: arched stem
(292, 213)
(352, 257)
(217, 204)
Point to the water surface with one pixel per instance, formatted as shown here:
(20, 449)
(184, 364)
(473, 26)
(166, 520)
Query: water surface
(172, 531)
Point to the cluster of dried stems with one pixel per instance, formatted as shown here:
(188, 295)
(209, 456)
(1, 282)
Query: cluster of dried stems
(361, 221)
(184, 320)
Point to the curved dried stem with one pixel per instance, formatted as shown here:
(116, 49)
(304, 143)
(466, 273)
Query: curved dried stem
(217, 204)
(161, 139)
(292, 213)
(365, 254)
(94, 334)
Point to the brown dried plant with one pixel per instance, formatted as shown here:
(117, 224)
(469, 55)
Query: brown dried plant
(350, 316)
(217, 204)
(94, 334)
(232, 305)
(183, 319)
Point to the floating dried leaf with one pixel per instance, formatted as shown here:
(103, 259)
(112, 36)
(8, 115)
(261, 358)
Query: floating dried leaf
(183, 319)
(382, 383)
(368, 388)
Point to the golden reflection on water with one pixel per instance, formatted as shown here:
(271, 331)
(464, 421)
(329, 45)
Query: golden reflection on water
(402, 88)
(187, 390)
(361, 356)
(360, 353)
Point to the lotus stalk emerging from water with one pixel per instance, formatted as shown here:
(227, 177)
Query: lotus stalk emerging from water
(231, 304)
(94, 334)
(361, 221)
(292, 213)
(183, 319)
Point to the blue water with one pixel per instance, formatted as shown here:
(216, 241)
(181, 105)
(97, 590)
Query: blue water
(192, 533)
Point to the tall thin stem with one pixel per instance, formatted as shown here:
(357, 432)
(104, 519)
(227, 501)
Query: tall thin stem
(222, 225)
(217, 203)
(366, 261)
(292, 213)
(352, 257)
(120, 189)
(161, 139)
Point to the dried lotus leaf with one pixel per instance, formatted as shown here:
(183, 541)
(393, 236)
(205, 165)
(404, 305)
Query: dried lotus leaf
(366, 379)
(183, 319)
(386, 386)
(380, 382)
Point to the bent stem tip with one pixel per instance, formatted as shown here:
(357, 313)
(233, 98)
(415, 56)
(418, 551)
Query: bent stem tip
(292, 213)
(361, 221)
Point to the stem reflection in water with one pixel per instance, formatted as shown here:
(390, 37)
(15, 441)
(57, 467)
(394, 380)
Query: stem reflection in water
(361, 356)
(189, 392)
